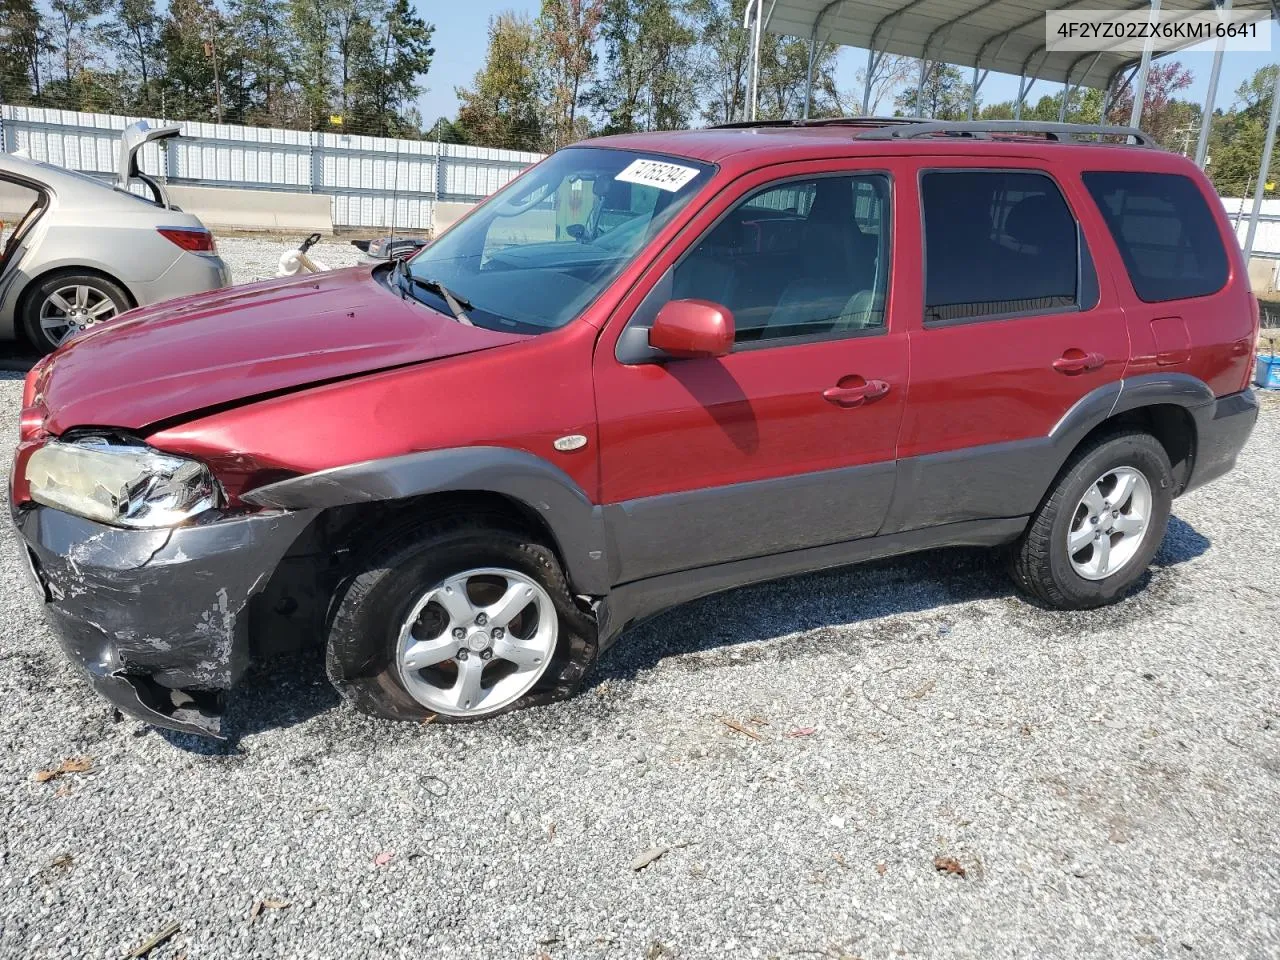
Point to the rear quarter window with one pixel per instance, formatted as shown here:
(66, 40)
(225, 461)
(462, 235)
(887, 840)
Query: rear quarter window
(1168, 237)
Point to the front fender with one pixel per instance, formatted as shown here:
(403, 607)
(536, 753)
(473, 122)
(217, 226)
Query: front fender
(576, 523)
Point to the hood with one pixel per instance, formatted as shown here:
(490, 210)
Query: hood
(213, 349)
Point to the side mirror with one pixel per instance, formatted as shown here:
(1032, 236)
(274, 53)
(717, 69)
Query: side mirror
(576, 231)
(692, 328)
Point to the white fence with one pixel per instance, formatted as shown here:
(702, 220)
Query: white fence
(372, 181)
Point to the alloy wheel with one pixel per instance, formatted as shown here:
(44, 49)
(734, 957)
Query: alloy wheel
(72, 308)
(1109, 524)
(477, 641)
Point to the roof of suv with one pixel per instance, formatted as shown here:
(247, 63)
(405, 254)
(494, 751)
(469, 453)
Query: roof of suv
(743, 146)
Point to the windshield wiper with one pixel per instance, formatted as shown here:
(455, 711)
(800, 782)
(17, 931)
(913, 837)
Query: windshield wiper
(456, 304)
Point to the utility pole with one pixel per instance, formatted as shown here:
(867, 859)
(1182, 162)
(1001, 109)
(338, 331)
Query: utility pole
(212, 49)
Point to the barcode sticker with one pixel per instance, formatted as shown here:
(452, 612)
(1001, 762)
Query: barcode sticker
(655, 173)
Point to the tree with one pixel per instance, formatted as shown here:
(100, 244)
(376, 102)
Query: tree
(1160, 115)
(267, 51)
(888, 73)
(387, 75)
(23, 40)
(568, 30)
(70, 35)
(134, 32)
(309, 21)
(501, 107)
(193, 37)
(784, 70)
(646, 83)
(721, 58)
(945, 95)
(1237, 137)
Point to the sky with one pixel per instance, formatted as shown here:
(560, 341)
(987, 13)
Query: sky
(462, 34)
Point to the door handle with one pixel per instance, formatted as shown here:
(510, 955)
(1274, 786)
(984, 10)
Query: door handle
(856, 394)
(1077, 361)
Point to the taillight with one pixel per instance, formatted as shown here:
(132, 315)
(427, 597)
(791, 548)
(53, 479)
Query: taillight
(191, 239)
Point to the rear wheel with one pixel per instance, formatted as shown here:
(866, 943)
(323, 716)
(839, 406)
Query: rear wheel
(61, 306)
(1097, 530)
(458, 622)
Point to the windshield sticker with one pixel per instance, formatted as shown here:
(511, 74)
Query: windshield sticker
(654, 173)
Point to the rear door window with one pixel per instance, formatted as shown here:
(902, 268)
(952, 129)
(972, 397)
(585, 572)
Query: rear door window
(1000, 244)
(1168, 238)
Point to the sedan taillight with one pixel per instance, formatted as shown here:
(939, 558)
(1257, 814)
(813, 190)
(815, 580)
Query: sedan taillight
(191, 239)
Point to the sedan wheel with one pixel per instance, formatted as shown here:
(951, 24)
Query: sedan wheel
(72, 308)
(476, 642)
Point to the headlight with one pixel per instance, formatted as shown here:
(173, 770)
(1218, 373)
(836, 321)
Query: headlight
(128, 485)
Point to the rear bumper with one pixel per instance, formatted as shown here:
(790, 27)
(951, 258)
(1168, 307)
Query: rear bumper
(190, 273)
(157, 618)
(1222, 427)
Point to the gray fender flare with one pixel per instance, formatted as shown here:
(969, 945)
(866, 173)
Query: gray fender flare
(576, 523)
(1120, 396)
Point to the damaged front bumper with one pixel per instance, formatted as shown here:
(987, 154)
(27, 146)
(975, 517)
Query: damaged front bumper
(158, 618)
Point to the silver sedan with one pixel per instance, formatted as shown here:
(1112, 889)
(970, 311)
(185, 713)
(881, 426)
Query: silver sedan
(86, 250)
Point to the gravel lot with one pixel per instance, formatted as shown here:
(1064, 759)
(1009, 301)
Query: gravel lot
(251, 258)
(1109, 781)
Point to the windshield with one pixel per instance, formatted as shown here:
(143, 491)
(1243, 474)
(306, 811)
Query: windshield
(541, 249)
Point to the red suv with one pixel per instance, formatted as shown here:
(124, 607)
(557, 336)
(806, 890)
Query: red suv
(653, 367)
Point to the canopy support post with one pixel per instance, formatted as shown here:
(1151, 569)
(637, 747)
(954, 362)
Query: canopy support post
(1260, 188)
(1211, 95)
(1025, 84)
(808, 80)
(755, 11)
(873, 64)
(1140, 88)
(924, 69)
(974, 87)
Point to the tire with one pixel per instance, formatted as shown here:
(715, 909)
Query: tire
(364, 646)
(101, 300)
(1043, 563)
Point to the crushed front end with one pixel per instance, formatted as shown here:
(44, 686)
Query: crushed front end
(158, 618)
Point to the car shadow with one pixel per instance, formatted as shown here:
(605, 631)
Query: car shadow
(292, 689)
(276, 693)
(842, 597)
(16, 357)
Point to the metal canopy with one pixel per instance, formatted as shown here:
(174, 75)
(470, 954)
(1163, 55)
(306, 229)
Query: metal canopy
(1002, 35)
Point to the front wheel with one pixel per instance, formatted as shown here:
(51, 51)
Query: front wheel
(458, 622)
(1098, 528)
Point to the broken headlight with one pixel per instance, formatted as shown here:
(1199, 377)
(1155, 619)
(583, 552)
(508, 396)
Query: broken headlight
(125, 484)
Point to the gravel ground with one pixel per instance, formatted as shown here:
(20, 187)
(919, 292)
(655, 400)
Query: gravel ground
(254, 258)
(1107, 781)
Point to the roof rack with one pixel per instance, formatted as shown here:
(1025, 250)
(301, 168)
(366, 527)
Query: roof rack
(819, 122)
(985, 129)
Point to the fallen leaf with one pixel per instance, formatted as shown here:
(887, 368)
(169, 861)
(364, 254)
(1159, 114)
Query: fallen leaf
(646, 858)
(551, 830)
(758, 721)
(63, 791)
(1026, 729)
(429, 718)
(272, 903)
(70, 765)
(802, 731)
(745, 731)
(924, 689)
(881, 868)
(382, 859)
(948, 865)
(62, 860)
(255, 910)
